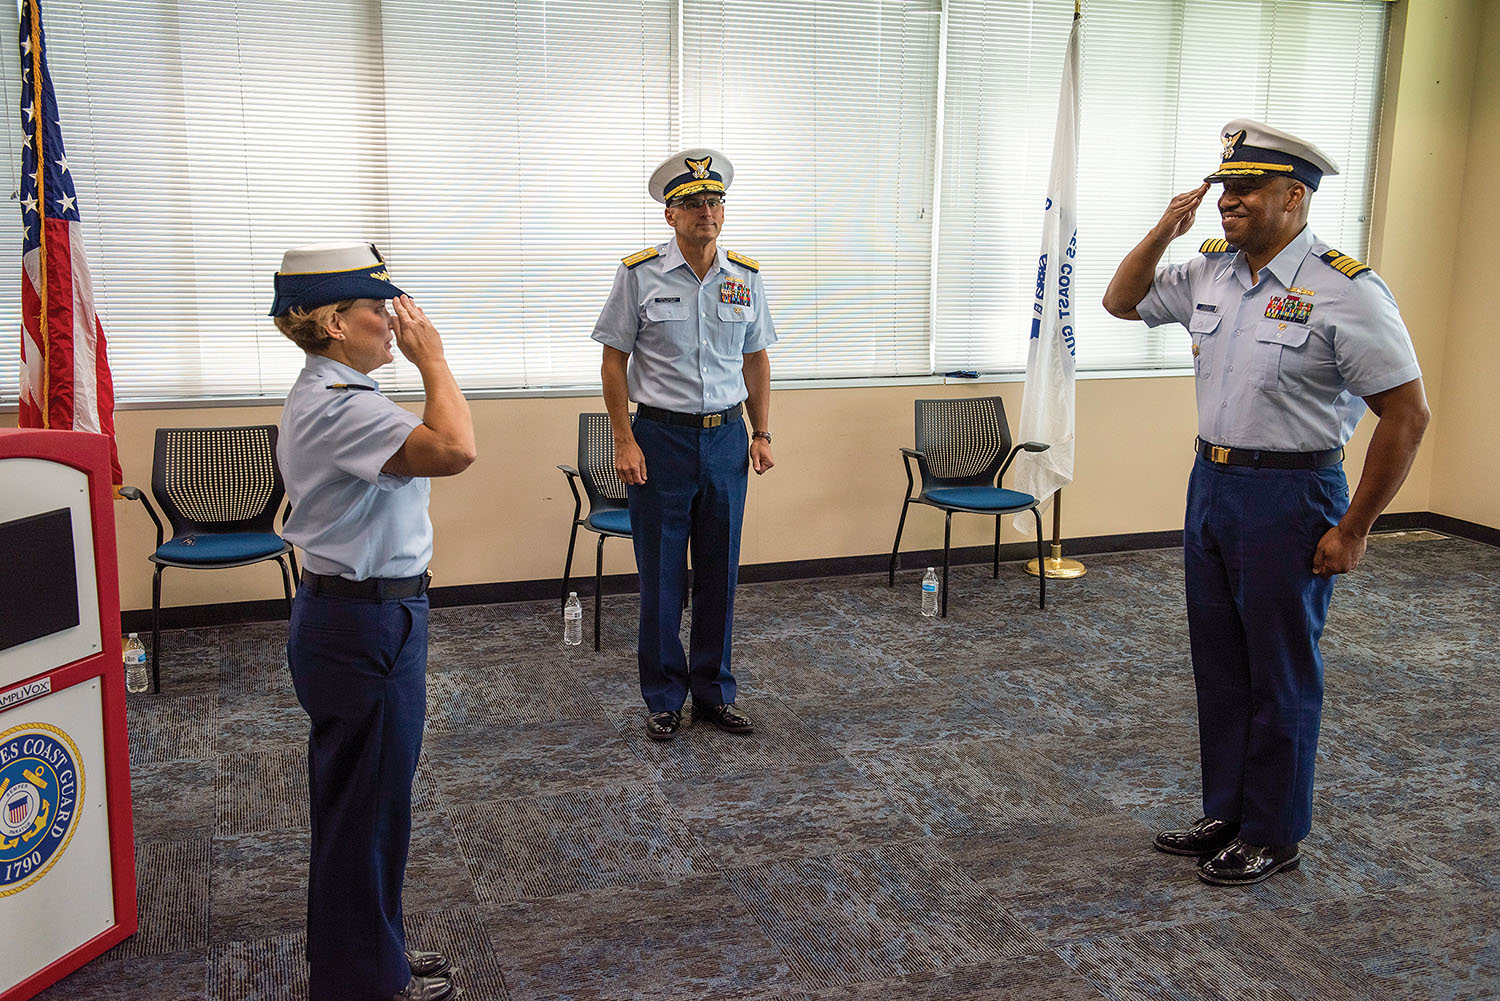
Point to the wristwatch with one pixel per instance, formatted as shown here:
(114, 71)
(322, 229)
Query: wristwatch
(762, 434)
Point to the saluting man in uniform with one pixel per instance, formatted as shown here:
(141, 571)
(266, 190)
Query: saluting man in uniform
(356, 468)
(1291, 341)
(685, 332)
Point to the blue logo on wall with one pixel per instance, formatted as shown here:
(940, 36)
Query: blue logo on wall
(41, 787)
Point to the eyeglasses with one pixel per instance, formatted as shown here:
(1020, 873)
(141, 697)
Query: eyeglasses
(694, 204)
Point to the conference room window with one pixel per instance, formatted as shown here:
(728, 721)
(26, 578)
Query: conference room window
(891, 159)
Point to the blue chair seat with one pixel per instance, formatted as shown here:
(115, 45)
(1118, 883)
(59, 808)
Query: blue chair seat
(980, 498)
(220, 548)
(611, 520)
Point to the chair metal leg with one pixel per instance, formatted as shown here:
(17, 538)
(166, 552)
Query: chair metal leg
(296, 573)
(995, 574)
(947, 538)
(598, 589)
(896, 547)
(1041, 560)
(568, 566)
(286, 585)
(156, 630)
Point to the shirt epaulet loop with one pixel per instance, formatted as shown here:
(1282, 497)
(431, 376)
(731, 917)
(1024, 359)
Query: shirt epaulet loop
(641, 257)
(1217, 247)
(742, 260)
(1344, 264)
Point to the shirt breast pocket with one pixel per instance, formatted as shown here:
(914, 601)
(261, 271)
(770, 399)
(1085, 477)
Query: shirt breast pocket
(733, 327)
(1202, 325)
(662, 311)
(1280, 355)
(734, 313)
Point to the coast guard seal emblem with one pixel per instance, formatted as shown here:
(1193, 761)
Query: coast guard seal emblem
(41, 788)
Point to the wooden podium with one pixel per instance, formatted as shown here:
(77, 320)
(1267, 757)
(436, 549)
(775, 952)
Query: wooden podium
(67, 860)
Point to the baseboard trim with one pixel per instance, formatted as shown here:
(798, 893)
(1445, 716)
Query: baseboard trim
(1442, 524)
(239, 612)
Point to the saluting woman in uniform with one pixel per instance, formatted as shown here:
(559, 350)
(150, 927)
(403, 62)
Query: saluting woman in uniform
(356, 468)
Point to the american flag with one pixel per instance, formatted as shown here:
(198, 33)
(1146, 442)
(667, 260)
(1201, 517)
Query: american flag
(65, 380)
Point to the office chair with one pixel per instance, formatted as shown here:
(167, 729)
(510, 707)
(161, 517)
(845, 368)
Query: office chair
(963, 451)
(219, 488)
(608, 515)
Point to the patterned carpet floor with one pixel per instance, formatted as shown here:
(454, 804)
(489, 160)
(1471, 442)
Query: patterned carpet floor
(929, 809)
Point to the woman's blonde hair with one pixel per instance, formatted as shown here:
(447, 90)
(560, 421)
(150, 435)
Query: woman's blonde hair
(308, 328)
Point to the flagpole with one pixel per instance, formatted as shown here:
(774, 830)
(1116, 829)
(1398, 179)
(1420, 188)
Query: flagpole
(38, 99)
(1057, 567)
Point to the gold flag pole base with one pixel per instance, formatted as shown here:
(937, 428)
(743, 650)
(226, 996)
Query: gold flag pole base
(1057, 567)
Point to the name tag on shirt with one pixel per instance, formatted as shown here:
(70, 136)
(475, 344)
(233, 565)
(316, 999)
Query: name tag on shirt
(1207, 307)
(667, 298)
(734, 292)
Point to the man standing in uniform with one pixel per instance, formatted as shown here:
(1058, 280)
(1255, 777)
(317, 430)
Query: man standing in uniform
(1288, 336)
(685, 332)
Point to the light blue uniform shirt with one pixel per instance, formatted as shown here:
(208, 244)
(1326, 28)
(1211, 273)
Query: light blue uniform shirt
(350, 519)
(1282, 363)
(686, 339)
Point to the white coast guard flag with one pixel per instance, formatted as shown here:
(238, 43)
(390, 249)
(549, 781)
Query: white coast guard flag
(1047, 402)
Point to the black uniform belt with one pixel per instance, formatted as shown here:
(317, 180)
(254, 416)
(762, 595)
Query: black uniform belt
(690, 420)
(370, 589)
(1222, 455)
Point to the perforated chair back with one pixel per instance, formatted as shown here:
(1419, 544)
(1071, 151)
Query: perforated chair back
(217, 480)
(965, 441)
(596, 463)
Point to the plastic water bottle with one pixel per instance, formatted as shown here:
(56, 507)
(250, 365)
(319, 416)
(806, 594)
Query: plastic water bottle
(572, 620)
(135, 664)
(930, 592)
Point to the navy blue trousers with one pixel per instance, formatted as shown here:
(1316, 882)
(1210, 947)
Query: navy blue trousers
(693, 497)
(1255, 616)
(359, 668)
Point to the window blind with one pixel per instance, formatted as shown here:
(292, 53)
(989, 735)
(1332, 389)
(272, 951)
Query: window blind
(1158, 83)
(496, 152)
(827, 112)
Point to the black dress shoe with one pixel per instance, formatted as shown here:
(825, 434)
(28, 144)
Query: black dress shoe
(663, 725)
(725, 717)
(1206, 837)
(425, 989)
(427, 964)
(1242, 864)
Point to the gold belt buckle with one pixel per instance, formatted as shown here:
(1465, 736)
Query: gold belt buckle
(1219, 454)
(713, 420)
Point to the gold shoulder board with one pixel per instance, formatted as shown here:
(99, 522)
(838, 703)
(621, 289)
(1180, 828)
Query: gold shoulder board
(640, 257)
(1344, 264)
(1216, 247)
(740, 258)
